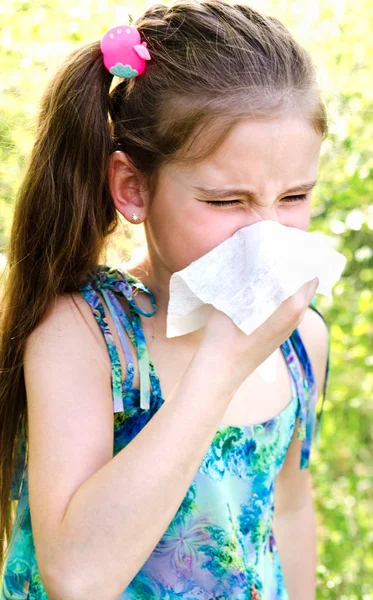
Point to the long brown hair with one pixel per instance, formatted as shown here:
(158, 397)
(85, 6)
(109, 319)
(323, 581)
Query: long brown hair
(211, 64)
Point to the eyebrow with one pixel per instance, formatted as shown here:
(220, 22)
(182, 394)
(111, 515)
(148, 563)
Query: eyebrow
(229, 192)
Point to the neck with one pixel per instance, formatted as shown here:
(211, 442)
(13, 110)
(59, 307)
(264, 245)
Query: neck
(157, 280)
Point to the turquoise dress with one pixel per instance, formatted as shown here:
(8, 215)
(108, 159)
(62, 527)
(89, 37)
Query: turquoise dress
(220, 544)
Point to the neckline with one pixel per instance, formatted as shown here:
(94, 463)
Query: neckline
(224, 426)
(276, 417)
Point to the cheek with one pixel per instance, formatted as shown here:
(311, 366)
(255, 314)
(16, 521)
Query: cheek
(195, 239)
(184, 236)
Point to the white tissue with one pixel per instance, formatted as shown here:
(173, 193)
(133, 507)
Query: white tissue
(248, 276)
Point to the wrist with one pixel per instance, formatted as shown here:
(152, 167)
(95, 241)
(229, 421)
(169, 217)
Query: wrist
(225, 365)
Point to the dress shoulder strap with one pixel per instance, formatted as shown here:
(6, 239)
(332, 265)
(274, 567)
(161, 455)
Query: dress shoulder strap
(296, 357)
(326, 378)
(310, 421)
(111, 282)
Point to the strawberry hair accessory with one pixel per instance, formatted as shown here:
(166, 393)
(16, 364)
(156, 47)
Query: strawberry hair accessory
(124, 54)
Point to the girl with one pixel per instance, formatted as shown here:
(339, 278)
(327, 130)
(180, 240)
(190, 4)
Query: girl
(145, 467)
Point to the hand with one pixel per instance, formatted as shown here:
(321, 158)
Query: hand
(249, 351)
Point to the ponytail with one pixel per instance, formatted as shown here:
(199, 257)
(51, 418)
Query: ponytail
(62, 215)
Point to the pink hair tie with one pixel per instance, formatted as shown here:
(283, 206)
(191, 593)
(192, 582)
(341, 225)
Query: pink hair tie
(124, 54)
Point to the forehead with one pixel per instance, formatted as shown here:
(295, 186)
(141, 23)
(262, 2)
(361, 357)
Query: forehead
(281, 149)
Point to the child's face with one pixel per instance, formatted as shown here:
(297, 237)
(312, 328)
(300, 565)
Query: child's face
(267, 157)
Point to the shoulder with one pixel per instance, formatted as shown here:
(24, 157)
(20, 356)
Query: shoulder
(315, 336)
(70, 326)
(314, 330)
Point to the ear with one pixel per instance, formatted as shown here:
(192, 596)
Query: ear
(128, 188)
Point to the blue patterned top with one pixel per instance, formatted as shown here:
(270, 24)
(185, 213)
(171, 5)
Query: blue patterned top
(220, 544)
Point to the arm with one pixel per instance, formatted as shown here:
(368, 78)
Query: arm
(294, 526)
(294, 521)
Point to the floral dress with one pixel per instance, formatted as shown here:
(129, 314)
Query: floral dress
(220, 544)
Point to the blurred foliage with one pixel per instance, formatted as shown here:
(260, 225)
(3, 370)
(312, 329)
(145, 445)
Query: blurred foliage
(34, 38)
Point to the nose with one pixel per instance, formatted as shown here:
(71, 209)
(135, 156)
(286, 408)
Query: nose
(258, 213)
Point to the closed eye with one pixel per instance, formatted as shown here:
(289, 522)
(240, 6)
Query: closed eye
(222, 202)
(301, 197)
(298, 198)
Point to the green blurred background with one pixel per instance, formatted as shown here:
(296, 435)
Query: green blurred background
(35, 36)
